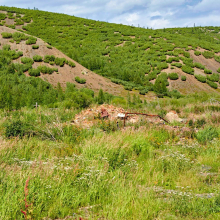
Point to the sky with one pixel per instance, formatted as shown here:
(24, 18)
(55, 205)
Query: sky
(144, 13)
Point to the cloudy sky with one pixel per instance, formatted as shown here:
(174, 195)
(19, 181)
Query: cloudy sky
(147, 13)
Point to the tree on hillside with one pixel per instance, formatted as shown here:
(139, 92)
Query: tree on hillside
(160, 88)
(101, 97)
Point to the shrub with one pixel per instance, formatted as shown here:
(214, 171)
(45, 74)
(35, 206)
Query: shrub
(217, 58)
(218, 70)
(128, 87)
(171, 59)
(179, 65)
(18, 37)
(19, 21)
(14, 129)
(37, 58)
(16, 55)
(60, 61)
(49, 47)
(143, 91)
(187, 69)
(214, 77)
(48, 58)
(26, 19)
(175, 94)
(27, 60)
(199, 66)
(80, 80)
(197, 53)
(200, 78)
(72, 64)
(207, 71)
(2, 16)
(6, 47)
(173, 76)
(31, 40)
(183, 78)
(212, 84)
(46, 70)
(207, 134)
(6, 35)
(34, 72)
(208, 54)
(35, 46)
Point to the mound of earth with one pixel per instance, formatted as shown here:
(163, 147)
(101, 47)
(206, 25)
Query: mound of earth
(89, 117)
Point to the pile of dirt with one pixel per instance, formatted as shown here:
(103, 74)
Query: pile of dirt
(172, 116)
(89, 117)
(92, 116)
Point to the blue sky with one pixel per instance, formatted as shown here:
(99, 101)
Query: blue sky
(147, 13)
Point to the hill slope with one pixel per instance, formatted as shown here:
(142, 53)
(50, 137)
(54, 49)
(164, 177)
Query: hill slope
(133, 57)
(66, 73)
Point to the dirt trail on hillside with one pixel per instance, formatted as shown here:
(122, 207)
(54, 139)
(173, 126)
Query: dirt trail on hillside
(66, 73)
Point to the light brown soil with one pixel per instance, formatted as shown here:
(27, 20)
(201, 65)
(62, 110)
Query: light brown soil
(191, 85)
(11, 21)
(66, 73)
(208, 63)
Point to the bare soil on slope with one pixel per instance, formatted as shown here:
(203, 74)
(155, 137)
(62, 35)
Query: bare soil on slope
(66, 73)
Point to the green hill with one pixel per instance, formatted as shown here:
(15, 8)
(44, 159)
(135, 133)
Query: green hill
(131, 56)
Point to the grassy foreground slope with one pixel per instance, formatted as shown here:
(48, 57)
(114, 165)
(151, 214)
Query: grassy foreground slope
(150, 172)
(133, 57)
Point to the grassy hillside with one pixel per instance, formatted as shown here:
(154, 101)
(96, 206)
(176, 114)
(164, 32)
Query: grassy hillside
(59, 162)
(133, 57)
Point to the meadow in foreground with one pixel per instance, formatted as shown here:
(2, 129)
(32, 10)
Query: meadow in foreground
(145, 171)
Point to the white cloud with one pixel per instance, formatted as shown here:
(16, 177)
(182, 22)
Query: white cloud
(206, 5)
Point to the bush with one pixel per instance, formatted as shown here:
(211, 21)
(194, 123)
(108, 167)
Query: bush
(6, 47)
(46, 70)
(143, 91)
(183, 78)
(31, 40)
(37, 58)
(35, 46)
(18, 37)
(16, 55)
(14, 129)
(207, 134)
(217, 58)
(60, 61)
(179, 65)
(72, 64)
(214, 77)
(128, 87)
(49, 47)
(175, 94)
(80, 80)
(199, 66)
(6, 35)
(173, 76)
(27, 60)
(218, 70)
(48, 58)
(188, 69)
(197, 53)
(200, 78)
(212, 84)
(208, 54)
(207, 71)
(34, 72)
